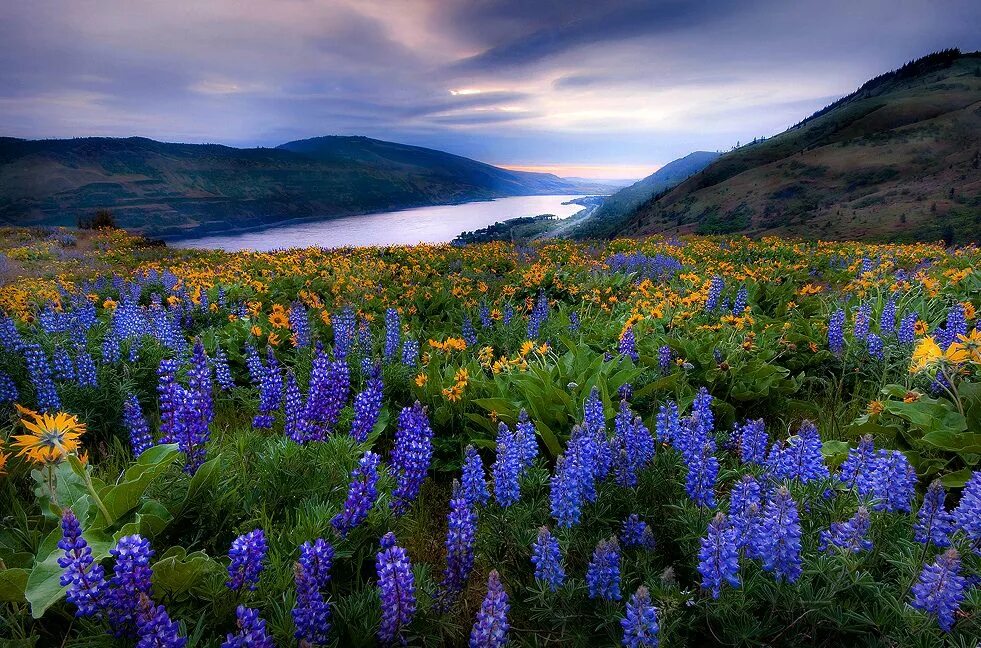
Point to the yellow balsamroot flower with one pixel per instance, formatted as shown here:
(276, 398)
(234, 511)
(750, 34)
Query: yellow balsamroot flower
(969, 311)
(876, 407)
(462, 376)
(928, 353)
(273, 339)
(972, 344)
(454, 393)
(3, 461)
(527, 347)
(279, 319)
(920, 327)
(255, 330)
(51, 438)
(109, 304)
(421, 380)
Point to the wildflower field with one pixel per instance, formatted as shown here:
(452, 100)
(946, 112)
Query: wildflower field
(700, 441)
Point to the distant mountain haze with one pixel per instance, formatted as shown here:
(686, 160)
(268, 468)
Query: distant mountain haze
(896, 160)
(168, 190)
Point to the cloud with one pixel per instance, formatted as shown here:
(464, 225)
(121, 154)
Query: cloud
(544, 83)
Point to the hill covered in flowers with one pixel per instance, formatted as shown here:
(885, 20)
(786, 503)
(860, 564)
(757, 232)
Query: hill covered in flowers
(649, 442)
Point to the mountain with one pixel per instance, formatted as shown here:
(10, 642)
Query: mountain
(898, 159)
(170, 190)
(610, 216)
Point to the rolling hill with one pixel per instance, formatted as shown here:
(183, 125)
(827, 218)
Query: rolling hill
(172, 190)
(898, 159)
(610, 216)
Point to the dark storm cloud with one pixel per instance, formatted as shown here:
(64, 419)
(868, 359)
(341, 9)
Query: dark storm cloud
(509, 81)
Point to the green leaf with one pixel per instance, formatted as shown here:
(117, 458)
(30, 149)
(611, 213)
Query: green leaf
(957, 479)
(178, 573)
(13, 582)
(125, 495)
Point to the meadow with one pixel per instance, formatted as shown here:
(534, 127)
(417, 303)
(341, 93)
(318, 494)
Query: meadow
(692, 441)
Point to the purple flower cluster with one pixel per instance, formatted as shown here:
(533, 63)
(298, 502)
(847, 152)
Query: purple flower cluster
(546, 555)
(665, 356)
(396, 584)
(848, 536)
(130, 581)
(836, 332)
(139, 432)
(367, 407)
(344, 324)
(603, 573)
(863, 321)
(941, 588)
(39, 371)
(460, 538)
(474, 480)
(270, 391)
(294, 420)
(933, 522)
(632, 446)
(907, 328)
(714, 292)
(967, 515)
(8, 389)
(628, 344)
(223, 374)
(251, 631)
(490, 630)
(393, 333)
(718, 558)
(247, 554)
(636, 533)
(330, 385)
(507, 467)
(361, 494)
(311, 573)
(85, 371)
(410, 352)
(300, 325)
(752, 441)
(799, 458)
(640, 627)
(83, 576)
(411, 456)
(154, 626)
(779, 538)
(468, 333)
(537, 316)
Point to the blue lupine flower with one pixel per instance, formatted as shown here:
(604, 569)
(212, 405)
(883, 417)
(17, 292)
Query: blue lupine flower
(857, 469)
(566, 492)
(527, 439)
(799, 458)
(154, 626)
(223, 374)
(633, 446)
(254, 364)
(941, 589)
(468, 334)
(967, 515)
(170, 398)
(546, 555)
(367, 407)
(849, 536)
(485, 317)
(594, 419)
(574, 322)
(508, 314)
(836, 332)
(410, 352)
(398, 590)
(874, 343)
(294, 411)
(603, 573)
(668, 424)
(247, 554)
(506, 469)
(270, 391)
(636, 533)
(955, 325)
(84, 577)
(10, 338)
(39, 372)
(887, 318)
(474, 486)
(893, 482)
(460, 538)
(311, 614)
(343, 324)
(703, 470)
(111, 352)
(197, 411)
(628, 344)
(491, 627)
(742, 297)
(752, 441)
(664, 358)
(411, 456)
(85, 371)
(625, 392)
(863, 320)
(701, 412)
(361, 494)
(317, 558)
(130, 581)
(640, 628)
(393, 333)
(714, 292)
(251, 631)
(933, 522)
(907, 328)
(139, 432)
(330, 385)
(300, 325)
(718, 559)
(8, 389)
(779, 537)
(537, 316)
(62, 367)
(745, 506)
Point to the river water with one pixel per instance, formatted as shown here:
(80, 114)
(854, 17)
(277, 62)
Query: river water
(408, 226)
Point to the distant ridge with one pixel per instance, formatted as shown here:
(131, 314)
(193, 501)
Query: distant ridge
(897, 159)
(173, 190)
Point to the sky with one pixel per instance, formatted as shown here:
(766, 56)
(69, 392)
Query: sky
(585, 88)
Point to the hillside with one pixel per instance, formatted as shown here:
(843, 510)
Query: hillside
(168, 190)
(898, 159)
(610, 216)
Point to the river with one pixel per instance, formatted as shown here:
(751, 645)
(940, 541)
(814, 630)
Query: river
(439, 224)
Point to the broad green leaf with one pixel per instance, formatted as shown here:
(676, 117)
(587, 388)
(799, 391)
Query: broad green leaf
(13, 582)
(43, 585)
(178, 573)
(125, 495)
